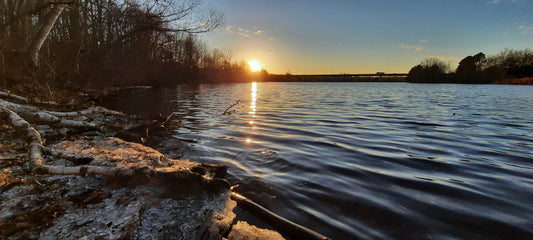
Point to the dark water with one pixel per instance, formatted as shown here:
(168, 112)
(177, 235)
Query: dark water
(368, 160)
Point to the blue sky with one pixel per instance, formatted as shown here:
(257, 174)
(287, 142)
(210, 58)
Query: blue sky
(367, 36)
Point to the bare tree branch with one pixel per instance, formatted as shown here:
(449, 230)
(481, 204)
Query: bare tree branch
(233, 105)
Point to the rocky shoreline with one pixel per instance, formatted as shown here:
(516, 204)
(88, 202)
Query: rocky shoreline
(162, 198)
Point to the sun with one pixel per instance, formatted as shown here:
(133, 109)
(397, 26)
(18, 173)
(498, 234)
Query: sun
(255, 65)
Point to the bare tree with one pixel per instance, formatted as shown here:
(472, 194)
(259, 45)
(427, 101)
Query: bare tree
(42, 29)
(435, 62)
(99, 39)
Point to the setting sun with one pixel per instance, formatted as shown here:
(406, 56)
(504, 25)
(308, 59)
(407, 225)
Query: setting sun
(255, 66)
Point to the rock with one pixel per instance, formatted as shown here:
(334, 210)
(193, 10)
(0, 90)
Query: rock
(244, 231)
(222, 222)
(140, 212)
(111, 152)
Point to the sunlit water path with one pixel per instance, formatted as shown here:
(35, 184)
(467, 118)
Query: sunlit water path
(368, 160)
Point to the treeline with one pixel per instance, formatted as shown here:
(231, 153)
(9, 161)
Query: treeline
(101, 43)
(333, 78)
(508, 66)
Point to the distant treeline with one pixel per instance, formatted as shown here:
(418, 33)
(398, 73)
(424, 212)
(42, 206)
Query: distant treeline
(335, 78)
(507, 67)
(102, 43)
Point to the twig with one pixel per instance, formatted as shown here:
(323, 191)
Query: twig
(37, 181)
(233, 105)
(169, 117)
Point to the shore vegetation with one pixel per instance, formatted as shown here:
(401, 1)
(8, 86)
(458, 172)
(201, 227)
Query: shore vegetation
(507, 67)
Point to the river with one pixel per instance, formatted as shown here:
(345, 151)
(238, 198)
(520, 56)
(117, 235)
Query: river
(366, 160)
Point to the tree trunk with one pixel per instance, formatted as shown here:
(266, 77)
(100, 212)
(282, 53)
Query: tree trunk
(75, 34)
(42, 30)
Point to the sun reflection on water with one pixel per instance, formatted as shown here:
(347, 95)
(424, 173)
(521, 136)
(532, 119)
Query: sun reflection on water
(254, 98)
(253, 109)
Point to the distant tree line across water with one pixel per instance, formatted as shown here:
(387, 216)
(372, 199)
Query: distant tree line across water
(102, 43)
(508, 66)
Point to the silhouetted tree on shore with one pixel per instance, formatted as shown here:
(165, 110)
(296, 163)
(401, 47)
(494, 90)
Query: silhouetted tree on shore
(470, 69)
(430, 70)
(509, 66)
(511, 63)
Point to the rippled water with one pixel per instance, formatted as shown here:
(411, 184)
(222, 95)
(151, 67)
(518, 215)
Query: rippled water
(369, 160)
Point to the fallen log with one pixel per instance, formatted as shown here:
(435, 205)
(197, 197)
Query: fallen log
(91, 110)
(34, 114)
(13, 96)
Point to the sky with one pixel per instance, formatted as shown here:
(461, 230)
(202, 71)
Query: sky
(367, 36)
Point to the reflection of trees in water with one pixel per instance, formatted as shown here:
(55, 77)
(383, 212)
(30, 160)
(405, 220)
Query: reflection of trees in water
(193, 105)
(185, 102)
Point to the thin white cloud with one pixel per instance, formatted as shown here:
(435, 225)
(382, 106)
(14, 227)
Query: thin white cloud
(228, 29)
(525, 29)
(416, 48)
(421, 46)
(243, 32)
(499, 1)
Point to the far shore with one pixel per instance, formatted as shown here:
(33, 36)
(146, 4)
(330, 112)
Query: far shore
(230, 77)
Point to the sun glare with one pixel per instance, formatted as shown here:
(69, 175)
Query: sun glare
(255, 66)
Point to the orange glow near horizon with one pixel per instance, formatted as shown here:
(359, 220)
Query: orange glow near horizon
(255, 66)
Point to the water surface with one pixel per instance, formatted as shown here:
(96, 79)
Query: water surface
(368, 160)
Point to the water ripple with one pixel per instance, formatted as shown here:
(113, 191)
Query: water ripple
(373, 160)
